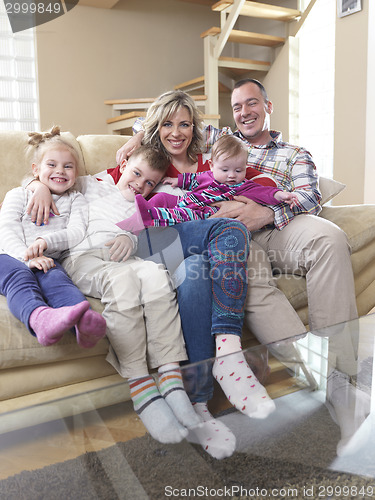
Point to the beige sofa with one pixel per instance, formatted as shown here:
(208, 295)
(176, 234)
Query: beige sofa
(31, 374)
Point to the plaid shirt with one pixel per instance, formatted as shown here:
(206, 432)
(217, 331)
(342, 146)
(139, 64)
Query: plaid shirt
(291, 166)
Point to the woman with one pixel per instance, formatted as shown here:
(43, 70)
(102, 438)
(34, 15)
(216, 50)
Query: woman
(173, 125)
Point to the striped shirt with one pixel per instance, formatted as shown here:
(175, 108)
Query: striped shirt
(291, 166)
(66, 230)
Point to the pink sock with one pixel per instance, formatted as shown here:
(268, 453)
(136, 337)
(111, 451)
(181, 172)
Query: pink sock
(50, 324)
(90, 329)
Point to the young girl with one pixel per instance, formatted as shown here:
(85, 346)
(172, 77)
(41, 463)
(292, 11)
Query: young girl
(38, 290)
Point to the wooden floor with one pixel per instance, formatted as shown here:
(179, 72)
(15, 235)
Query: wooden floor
(58, 441)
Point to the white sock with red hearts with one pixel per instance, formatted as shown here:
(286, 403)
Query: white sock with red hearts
(213, 435)
(237, 380)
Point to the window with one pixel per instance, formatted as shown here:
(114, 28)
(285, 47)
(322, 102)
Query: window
(18, 90)
(313, 81)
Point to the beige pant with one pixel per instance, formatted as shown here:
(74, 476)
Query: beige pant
(140, 307)
(309, 246)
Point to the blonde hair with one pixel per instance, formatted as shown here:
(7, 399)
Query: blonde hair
(230, 146)
(40, 142)
(161, 110)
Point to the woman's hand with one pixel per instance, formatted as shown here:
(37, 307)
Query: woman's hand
(36, 249)
(129, 147)
(121, 248)
(250, 213)
(41, 203)
(42, 263)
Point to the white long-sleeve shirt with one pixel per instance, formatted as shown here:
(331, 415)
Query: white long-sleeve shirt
(62, 232)
(106, 207)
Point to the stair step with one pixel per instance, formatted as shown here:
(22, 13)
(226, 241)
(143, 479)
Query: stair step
(126, 116)
(143, 103)
(247, 37)
(256, 9)
(198, 84)
(126, 121)
(235, 67)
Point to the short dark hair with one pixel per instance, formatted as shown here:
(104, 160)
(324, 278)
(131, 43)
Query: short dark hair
(154, 157)
(244, 81)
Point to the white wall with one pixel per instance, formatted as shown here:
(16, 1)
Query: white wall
(136, 49)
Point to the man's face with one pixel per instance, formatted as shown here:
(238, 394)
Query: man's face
(137, 178)
(251, 113)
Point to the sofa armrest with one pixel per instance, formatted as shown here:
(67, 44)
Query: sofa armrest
(357, 221)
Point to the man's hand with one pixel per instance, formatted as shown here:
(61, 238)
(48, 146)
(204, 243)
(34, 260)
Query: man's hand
(36, 249)
(129, 147)
(41, 203)
(42, 263)
(121, 248)
(250, 213)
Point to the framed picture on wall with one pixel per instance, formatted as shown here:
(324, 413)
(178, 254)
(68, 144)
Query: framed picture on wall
(347, 7)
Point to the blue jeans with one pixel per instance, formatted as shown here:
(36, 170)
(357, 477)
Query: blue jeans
(26, 289)
(212, 283)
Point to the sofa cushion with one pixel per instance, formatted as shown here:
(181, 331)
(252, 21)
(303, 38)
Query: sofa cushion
(357, 221)
(18, 381)
(19, 348)
(99, 151)
(329, 188)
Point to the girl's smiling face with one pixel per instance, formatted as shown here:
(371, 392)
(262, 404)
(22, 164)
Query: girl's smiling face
(176, 133)
(57, 169)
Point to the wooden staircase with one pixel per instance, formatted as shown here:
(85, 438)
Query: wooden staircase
(221, 71)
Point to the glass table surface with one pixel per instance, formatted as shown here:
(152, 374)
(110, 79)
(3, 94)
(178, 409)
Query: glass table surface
(319, 442)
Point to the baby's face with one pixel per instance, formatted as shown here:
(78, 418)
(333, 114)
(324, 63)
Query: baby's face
(137, 178)
(229, 170)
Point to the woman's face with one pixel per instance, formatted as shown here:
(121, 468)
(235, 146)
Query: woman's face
(176, 133)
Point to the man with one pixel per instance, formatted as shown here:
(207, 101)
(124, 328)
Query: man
(298, 241)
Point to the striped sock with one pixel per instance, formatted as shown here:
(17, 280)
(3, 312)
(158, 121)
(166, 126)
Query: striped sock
(172, 389)
(154, 412)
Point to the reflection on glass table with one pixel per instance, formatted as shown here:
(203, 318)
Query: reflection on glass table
(306, 432)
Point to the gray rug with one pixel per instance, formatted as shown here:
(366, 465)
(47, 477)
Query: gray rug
(278, 458)
(144, 469)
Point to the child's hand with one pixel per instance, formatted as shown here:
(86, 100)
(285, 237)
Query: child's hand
(42, 263)
(41, 204)
(36, 249)
(121, 248)
(286, 197)
(172, 181)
